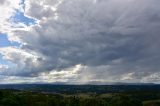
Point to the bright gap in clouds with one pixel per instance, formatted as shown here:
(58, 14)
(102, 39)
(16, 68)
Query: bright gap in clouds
(4, 42)
(20, 18)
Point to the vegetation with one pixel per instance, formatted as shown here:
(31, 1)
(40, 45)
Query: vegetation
(152, 103)
(79, 95)
(11, 97)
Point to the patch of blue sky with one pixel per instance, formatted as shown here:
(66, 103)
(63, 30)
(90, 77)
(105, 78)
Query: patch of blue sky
(19, 17)
(4, 42)
(5, 62)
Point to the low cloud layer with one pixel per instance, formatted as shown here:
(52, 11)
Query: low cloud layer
(108, 40)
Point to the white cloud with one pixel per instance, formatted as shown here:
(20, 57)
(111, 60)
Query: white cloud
(23, 61)
(153, 77)
(7, 10)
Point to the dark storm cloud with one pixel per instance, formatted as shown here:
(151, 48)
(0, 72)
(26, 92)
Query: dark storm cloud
(2, 2)
(121, 34)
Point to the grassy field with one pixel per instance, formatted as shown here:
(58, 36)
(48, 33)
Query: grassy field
(151, 103)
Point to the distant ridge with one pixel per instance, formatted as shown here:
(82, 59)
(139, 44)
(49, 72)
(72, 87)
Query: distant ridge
(118, 83)
(89, 83)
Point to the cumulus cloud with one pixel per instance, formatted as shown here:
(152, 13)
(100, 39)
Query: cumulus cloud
(7, 10)
(112, 40)
(22, 60)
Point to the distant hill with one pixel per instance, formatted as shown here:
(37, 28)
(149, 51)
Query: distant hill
(117, 83)
(99, 89)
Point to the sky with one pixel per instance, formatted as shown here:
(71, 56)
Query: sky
(79, 41)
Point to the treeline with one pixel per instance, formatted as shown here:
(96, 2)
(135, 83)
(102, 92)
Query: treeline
(26, 98)
(72, 89)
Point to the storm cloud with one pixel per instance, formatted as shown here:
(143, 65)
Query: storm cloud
(108, 40)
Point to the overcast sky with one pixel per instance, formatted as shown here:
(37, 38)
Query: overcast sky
(79, 41)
